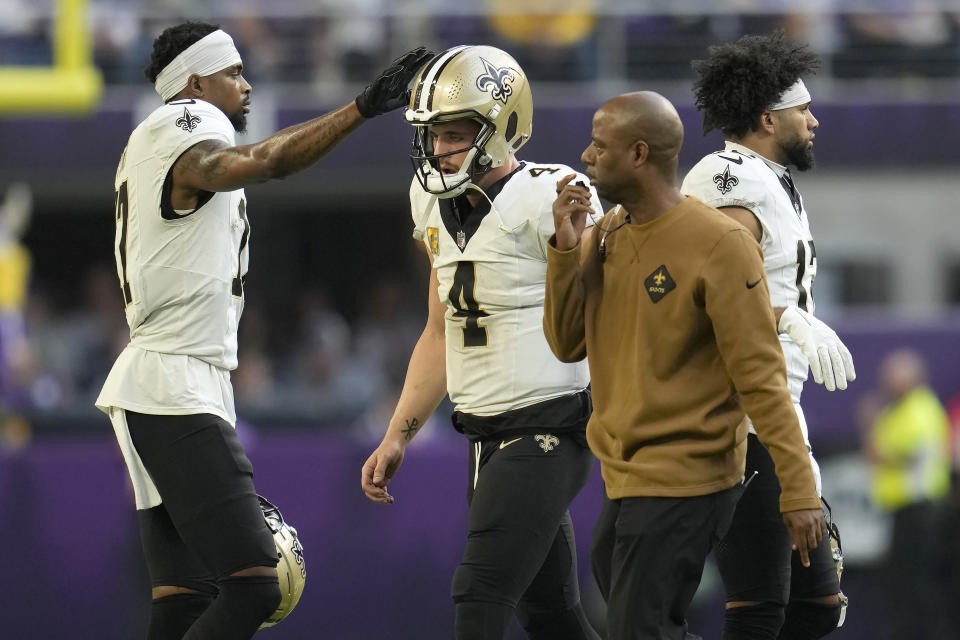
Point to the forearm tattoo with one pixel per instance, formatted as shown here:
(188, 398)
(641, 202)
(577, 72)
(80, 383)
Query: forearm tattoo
(202, 159)
(413, 425)
(303, 145)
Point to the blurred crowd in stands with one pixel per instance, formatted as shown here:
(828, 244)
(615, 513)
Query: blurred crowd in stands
(325, 366)
(318, 41)
(328, 371)
(304, 363)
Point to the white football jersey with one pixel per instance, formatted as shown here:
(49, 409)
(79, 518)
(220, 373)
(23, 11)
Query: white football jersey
(181, 276)
(739, 177)
(492, 273)
(181, 273)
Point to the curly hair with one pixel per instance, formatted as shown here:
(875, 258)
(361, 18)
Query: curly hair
(172, 42)
(740, 80)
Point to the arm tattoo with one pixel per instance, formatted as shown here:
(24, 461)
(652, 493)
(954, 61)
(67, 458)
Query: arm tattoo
(303, 145)
(288, 151)
(413, 425)
(192, 162)
(214, 168)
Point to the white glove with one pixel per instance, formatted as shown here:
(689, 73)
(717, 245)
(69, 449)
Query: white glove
(830, 361)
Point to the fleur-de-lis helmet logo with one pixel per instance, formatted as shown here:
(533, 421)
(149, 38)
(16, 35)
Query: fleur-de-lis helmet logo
(297, 549)
(188, 121)
(726, 181)
(496, 80)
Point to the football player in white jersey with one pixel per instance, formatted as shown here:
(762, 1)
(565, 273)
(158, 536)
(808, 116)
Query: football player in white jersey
(182, 241)
(752, 91)
(484, 218)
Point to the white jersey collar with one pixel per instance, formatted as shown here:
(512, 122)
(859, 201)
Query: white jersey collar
(779, 169)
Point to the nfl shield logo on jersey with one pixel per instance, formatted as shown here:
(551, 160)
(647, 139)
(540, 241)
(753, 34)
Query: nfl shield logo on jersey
(433, 239)
(461, 240)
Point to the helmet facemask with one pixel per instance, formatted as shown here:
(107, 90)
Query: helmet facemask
(426, 163)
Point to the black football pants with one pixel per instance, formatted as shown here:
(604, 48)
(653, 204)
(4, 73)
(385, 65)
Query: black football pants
(520, 553)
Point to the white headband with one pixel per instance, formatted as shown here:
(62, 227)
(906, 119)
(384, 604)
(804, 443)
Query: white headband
(795, 95)
(211, 53)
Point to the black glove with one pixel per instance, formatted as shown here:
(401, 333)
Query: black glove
(389, 91)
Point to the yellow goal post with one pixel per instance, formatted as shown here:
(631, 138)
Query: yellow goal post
(71, 85)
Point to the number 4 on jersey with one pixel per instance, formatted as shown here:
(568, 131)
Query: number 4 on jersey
(536, 172)
(462, 299)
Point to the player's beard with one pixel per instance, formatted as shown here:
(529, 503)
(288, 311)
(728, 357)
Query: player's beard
(799, 154)
(239, 121)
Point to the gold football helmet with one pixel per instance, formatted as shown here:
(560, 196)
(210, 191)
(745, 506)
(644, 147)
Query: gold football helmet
(291, 569)
(484, 84)
(836, 550)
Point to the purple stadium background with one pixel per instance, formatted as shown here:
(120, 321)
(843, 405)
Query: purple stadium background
(71, 562)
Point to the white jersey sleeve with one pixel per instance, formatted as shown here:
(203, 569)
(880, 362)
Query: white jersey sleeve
(726, 180)
(174, 128)
(492, 274)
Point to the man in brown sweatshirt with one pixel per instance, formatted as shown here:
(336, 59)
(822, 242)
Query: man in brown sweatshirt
(669, 300)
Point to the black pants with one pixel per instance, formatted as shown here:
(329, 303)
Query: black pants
(520, 550)
(755, 559)
(210, 523)
(648, 556)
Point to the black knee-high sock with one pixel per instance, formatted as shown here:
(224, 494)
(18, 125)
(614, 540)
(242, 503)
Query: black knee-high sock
(171, 616)
(238, 611)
